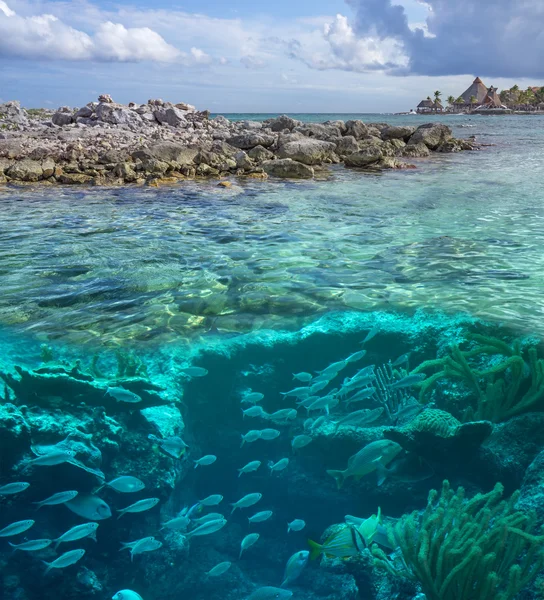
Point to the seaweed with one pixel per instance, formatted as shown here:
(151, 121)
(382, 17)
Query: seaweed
(504, 388)
(460, 549)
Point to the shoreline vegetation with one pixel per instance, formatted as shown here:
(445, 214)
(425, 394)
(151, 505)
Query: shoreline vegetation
(160, 143)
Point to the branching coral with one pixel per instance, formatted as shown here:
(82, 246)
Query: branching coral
(459, 549)
(504, 389)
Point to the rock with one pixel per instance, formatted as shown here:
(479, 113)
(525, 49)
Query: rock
(246, 141)
(84, 112)
(12, 113)
(105, 98)
(185, 107)
(243, 161)
(259, 153)
(397, 132)
(431, 134)
(26, 170)
(14, 436)
(390, 162)
(168, 152)
(220, 121)
(48, 167)
(154, 165)
(125, 171)
(419, 150)
(283, 122)
(62, 118)
(166, 420)
(347, 145)
(357, 129)
(319, 131)
(75, 178)
(5, 164)
(308, 151)
(363, 158)
(252, 125)
(287, 168)
(171, 116)
(115, 114)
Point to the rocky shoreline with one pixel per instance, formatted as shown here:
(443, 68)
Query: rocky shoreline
(105, 143)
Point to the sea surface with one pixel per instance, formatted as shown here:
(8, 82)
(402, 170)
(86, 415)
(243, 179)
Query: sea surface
(134, 312)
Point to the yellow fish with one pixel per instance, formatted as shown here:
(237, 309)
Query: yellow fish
(342, 544)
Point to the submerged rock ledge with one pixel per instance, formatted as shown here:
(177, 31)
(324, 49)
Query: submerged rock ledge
(105, 143)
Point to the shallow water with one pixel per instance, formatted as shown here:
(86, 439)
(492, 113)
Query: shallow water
(255, 283)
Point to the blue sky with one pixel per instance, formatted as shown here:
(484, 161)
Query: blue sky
(250, 56)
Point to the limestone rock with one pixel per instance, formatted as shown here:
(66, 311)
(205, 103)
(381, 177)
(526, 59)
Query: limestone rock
(105, 98)
(357, 129)
(283, 122)
(171, 116)
(115, 114)
(259, 153)
(125, 171)
(62, 118)
(308, 151)
(246, 141)
(397, 132)
(85, 112)
(168, 152)
(12, 113)
(288, 168)
(26, 170)
(347, 145)
(48, 167)
(243, 161)
(363, 158)
(419, 150)
(75, 178)
(431, 134)
(320, 131)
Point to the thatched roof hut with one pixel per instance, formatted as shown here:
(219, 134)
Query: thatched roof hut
(429, 104)
(492, 99)
(477, 90)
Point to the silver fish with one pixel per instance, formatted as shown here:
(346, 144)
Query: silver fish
(371, 334)
(205, 461)
(360, 418)
(207, 528)
(295, 566)
(65, 560)
(126, 484)
(127, 595)
(89, 507)
(147, 544)
(356, 356)
(56, 457)
(194, 371)
(219, 569)
(254, 411)
(318, 422)
(361, 395)
(212, 500)
(250, 436)
(269, 592)
(173, 445)
(308, 423)
(78, 533)
(317, 387)
(269, 434)
(259, 517)
(247, 501)
(401, 360)
(55, 499)
(252, 397)
(408, 381)
(138, 507)
(250, 467)
(299, 392)
(283, 415)
(16, 528)
(296, 525)
(121, 394)
(300, 441)
(333, 369)
(13, 488)
(279, 466)
(304, 377)
(32, 545)
(177, 524)
(247, 542)
(207, 518)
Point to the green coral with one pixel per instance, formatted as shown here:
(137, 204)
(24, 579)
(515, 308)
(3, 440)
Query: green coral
(459, 549)
(506, 388)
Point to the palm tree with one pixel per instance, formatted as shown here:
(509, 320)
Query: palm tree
(451, 100)
(473, 100)
(437, 95)
(515, 88)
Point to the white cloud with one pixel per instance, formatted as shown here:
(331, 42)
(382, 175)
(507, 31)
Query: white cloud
(45, 36)
(252, 62)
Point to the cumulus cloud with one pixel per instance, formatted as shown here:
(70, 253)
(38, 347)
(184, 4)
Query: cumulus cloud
(252, 62)
(498, 38)
(47, 37)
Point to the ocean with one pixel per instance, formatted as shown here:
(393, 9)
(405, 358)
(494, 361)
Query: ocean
(414, 297)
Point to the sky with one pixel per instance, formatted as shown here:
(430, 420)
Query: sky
(324, 56)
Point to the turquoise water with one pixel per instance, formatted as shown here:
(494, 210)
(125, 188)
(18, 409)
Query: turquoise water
(109, 290)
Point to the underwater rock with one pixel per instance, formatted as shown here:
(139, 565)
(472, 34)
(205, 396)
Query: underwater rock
(14, 436)
(166, 420)
(436, 433)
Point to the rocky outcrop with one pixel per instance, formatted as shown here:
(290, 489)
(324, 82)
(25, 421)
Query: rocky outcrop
(106, 143)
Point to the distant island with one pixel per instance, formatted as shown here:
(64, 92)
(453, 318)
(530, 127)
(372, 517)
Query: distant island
(479, 98)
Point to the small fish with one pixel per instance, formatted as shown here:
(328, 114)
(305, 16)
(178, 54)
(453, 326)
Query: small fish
(283, 415)
(247, 542)
(196, 509)
(306, 402)
(308, 423)
(65, 560)
(344, 543)
(212, 500)
(401, 360)
(296, 525)
(408, 381)
(194, 371)
(252, 397)
(207, 528)
(78, 533)
(32, 545)
(126, 484)
(333, 369)
(361, 395)
(219, 569)
(269, 592)
(138, 507)
(247, 501)
(359, 418)
(295, 566)
(89, 507)
(356, 356)
(205, 461)
(173, 445)
(300, 441)
(147, 544)
(269, 434)
(14, 488)
(318, 422)
(259, 517)
(406, 413)
(371, 334)
(367, 460)
(55, 499)
(304, 377)
(56, 457)
(126, 595)
(299, 392)
(250, 467)
(121, 394)
(250, 436)
(317, 387)
(279, 466)
(325, 403)
(177, 524)
(255, 411)
(208, 517)
(16, 528)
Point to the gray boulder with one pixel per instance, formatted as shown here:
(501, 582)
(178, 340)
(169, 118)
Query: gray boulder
(259, 154)
(288, 169)
(115, 114)
(431, 134)
(171, 116)
(168, 152)
(11, 112)
(243, 161)
(283, 122)
(357, 129)
(368, 156)
(85, 112)
(246, 141)
(319, 131)
(398, 132)
(419, 150)
(61, 118)
(308, 151)
(347, 145)
(26, 170)
(220, 121)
